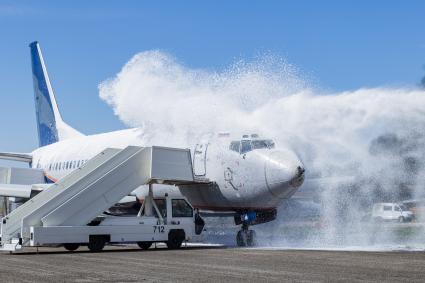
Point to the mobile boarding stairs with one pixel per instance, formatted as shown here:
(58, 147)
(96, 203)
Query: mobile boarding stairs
(61, 213)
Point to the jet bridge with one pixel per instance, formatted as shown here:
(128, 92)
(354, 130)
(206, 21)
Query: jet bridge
(87, 192)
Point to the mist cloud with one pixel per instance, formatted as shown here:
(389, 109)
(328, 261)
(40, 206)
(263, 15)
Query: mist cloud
(374, 134)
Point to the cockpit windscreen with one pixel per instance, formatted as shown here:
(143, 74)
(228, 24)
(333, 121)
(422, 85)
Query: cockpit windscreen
(256, 144)
(245, 146)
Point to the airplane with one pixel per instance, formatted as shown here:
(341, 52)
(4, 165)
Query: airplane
(248, 176)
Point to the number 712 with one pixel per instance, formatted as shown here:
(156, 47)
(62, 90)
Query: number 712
(158, 229)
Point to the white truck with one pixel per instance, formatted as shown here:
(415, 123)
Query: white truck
(173, 221)
(391, 212)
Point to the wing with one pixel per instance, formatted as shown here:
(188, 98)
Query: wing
(22, 157)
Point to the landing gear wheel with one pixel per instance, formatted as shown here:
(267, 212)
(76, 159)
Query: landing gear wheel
(175, 239)
(71, 246)
(240, 241)
(96, 244)
(144, 245)
(246, 238)
(251, 238)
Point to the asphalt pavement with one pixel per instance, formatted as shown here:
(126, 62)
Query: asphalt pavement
(209, 264)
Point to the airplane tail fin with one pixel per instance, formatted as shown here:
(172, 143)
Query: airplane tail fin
(51, 128)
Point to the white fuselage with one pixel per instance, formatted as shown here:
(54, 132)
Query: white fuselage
(259, 179)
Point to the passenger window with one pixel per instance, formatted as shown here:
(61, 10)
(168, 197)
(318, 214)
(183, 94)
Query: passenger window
(387, 208)
(181, 208)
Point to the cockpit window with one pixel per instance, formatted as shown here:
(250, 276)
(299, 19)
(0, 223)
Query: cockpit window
(256, 144)
(234, 145)
(245, 146)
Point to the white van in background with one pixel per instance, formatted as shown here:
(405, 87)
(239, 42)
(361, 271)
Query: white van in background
(391, 212)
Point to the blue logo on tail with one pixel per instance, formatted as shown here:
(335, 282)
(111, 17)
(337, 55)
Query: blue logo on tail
(46, 122)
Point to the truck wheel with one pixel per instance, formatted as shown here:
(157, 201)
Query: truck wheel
(175, 239)
(96, 243)
(71, 246)
(144, 245)
(401, 219)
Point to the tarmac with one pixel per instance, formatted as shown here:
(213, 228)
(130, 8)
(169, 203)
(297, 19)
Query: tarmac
(209, 264)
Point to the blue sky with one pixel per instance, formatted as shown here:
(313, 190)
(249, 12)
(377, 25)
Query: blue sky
(344, 45)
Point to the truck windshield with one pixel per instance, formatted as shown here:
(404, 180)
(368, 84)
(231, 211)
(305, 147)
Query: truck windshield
(403, 207)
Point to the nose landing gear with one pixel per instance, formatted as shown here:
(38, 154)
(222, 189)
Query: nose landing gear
(246, 237)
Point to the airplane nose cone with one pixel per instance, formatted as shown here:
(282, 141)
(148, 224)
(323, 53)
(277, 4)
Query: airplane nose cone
(284, 173)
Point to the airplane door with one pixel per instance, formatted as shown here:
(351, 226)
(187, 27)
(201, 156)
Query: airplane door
(200, 159)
